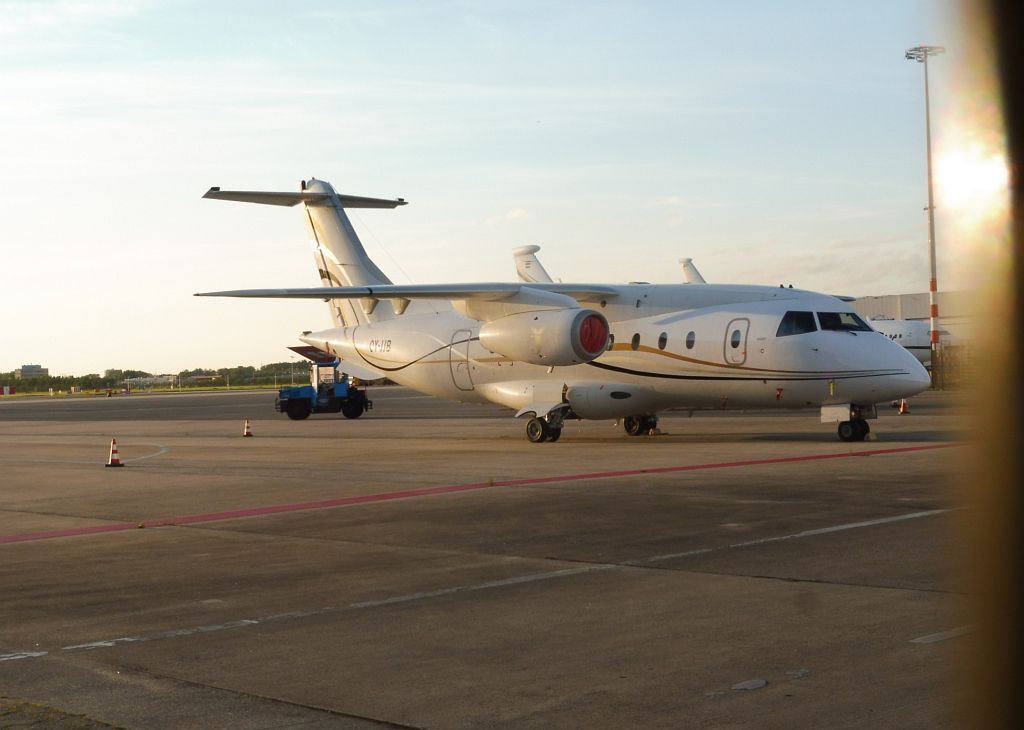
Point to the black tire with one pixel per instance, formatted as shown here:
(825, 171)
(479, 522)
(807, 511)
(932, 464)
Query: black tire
(634, 425)
(353, 407)
(537, 431)
(847, 431)
(298, 410)
(554, 434)
(861, 429)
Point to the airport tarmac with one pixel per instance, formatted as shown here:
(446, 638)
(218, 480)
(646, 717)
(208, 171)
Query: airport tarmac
(425, 566)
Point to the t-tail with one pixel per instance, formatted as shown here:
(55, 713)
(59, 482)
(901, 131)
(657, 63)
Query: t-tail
(341, 259)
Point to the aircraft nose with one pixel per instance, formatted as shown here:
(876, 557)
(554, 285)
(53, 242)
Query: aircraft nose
(920, 378)
(917, 378)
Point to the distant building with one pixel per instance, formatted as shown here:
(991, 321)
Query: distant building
(151, 380)
(956, 310)
(203, 378)
(31, 371)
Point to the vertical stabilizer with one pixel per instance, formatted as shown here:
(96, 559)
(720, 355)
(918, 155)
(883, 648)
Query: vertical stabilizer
(341, 259)
(690, 273)
(528, 266)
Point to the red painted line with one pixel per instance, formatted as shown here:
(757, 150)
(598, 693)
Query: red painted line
(68, 532)
(444, 489)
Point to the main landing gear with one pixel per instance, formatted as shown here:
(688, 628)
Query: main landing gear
(539, 430)
(855, 430)
(549, 428)
(639, 425)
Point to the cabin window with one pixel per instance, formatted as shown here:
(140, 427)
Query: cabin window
(662, 340)
(691, 337)
(734, 340)
(635, 344)
(796, 323)
(842, 322)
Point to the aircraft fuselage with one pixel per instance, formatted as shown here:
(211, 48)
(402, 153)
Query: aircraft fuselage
(673, 346)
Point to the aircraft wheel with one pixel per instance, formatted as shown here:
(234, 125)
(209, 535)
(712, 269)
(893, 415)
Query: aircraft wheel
(634, 425)
(554, 434)
(537, 431)
(298, 410)
(848, 431)
(861, 429)
(353, 407)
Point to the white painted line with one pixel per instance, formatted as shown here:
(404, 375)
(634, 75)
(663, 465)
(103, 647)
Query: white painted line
(272, 618)
(793, 536)
(486, 585)
(106, 643)
(92, 462)
(163, 450)
(872, 523)
(751, 684)
(675, 556)
(943, 635)
(489, 584)
(22, 655)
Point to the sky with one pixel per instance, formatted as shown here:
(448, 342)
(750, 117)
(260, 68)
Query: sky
(773, 143)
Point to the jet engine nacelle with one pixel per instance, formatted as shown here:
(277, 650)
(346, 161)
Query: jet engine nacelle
(548, 336)
(606, 400)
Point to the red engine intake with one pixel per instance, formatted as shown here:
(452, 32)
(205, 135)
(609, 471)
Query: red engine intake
(593, 334)
(548, 336)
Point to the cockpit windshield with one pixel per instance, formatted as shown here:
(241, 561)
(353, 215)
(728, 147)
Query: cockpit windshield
(796, 323)
(842, 322)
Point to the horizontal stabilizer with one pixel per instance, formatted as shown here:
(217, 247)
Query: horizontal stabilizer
(314, 353)
(309, 198)
(487, 291)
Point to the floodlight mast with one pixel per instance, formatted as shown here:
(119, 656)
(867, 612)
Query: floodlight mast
(920, 54)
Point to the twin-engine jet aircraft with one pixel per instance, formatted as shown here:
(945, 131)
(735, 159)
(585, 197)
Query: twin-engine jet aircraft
(554, 351)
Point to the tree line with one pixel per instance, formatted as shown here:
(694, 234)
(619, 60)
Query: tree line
(273, 373)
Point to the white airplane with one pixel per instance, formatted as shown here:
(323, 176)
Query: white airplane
(552, 351)
(911, 334)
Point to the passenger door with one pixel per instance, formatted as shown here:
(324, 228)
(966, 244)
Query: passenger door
(735, 346)
(458, 359)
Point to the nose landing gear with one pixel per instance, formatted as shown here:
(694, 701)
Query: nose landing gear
(855, 430)
(852, 419)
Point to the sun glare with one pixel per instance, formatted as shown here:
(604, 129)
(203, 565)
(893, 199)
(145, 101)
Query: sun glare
(972, 180)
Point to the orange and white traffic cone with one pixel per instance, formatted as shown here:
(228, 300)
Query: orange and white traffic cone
(113, 460)
(246, 431)
(904, 408)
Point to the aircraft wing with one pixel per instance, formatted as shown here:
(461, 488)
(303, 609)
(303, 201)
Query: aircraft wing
(539, 293)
